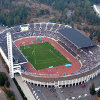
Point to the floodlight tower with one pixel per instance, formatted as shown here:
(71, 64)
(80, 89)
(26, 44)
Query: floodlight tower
(10, 54)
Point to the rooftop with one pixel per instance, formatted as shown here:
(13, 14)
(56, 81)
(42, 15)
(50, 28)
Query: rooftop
(77, 38)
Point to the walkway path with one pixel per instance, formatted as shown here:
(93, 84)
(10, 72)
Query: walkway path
(25, 88)
(2, 95)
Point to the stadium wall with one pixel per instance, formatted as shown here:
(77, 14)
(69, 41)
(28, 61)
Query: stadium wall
(62, 81)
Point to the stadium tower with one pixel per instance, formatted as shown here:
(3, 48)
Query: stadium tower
(10, 55)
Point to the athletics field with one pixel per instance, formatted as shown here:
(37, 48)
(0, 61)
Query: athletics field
(43, 55)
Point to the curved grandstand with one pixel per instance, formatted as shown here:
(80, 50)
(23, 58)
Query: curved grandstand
(82, 54)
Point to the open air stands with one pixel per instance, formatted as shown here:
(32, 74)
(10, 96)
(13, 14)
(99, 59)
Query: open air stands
(85, 53)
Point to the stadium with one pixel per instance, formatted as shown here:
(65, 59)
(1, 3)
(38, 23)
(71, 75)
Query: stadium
(50, 54)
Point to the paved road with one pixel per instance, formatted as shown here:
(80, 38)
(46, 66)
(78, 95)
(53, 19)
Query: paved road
(12, 85)
(46, 93)
(76, 91)
(61, 96)
(68, 92)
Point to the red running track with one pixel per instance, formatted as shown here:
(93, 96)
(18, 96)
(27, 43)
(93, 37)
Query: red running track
(56, 71)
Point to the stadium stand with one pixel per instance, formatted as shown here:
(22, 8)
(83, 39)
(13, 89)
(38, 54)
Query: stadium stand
(77, 38)
(80, 46)
(17, 56)
(68, 49)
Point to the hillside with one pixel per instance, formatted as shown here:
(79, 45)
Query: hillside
(15, 12)
(77, 13)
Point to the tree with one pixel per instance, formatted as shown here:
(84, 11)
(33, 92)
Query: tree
(47, 11)
(9, 93)
(98, 93)
(4, 76)
(7, 84)
(92, 89)
(42, 12)
(98, 36)
(87, 4)
(91, 36)
(53, 20)
(72, 24)
(12, 98)
(2, 81)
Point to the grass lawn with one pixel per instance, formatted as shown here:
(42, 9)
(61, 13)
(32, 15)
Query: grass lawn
(43, 55)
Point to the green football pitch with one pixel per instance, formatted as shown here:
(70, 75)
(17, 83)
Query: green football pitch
(43, 55)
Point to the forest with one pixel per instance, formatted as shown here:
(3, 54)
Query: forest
(12, 14)
(82, 14)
